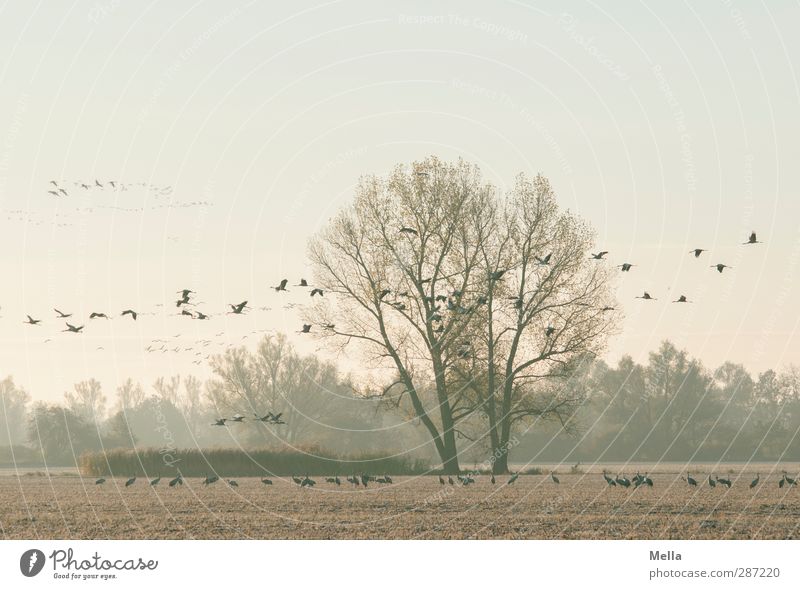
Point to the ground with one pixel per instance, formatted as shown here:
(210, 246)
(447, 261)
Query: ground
(582, 506)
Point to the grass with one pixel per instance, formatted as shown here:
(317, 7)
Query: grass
(232, 462)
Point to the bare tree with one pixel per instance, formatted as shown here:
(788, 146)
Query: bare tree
(471, 297)
(129, 395)
(168, 389)
(305, 390)
(548, 310)
(87, 401)
(13, 410)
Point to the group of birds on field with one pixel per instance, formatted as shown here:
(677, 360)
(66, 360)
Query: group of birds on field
(622, 481)
(784, 481)
(363, 480)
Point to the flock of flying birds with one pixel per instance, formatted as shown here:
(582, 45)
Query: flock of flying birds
(184, 301)
(697, 252)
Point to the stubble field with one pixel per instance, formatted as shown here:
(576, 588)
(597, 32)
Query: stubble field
(582, 506)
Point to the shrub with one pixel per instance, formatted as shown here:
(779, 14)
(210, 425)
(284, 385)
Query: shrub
(232, 462)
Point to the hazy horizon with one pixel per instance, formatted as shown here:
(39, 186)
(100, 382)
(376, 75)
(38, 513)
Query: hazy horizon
(666, 127)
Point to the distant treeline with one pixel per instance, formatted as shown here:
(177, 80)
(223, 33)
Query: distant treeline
(670, 409)
(675, 409)
(230, 462)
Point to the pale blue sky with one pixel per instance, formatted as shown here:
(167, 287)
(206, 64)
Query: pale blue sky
(668, 126)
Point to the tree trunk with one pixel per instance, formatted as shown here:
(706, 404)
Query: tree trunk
(500, 465)
(449, 455)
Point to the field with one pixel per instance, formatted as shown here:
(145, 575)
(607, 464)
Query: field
(582, 506)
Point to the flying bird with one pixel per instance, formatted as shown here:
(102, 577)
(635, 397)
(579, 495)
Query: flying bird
(752, 239)
(697, 252)
(62, 315)
(73, 328)
(32, 321)
(282, 285)
(303, 282)
(237, 309)
(682, 299)
(317, 291)
(306, 328)
(598, 256)
(130, 312)
(646, 296)
(220, 421)
(626, 267)
(98, 316)
(545, 260)
(720, 267)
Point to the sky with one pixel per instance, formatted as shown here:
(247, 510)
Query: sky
(239, 128)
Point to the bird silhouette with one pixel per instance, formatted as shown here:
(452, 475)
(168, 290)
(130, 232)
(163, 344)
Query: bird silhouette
(692, 482)
(210, 480)
(73, 329)
(682, 299)
(545, 260)
(62, 315)
(317, 291)
(100, 481)
(752, 239)
(98, 316)
(237, 309)
(130, 312)
(626, 267)
(130, 481)
(155, 481)
(711, 482)
(513, 478)
(599, 255)
(178, 480)
(220, 421)
(303, 282)
(201, 316)
(266, 481)
(720, 267)
(497, 275)
(646, 296)
(697, 252)
(282, 285)
(188, 313)
(755, 481)
(32, 321)
(555, 478)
